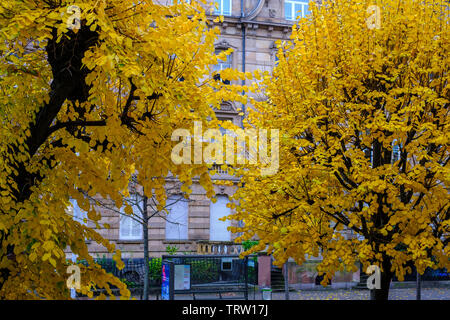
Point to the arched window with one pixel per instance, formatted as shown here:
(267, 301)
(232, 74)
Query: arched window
(218, 229)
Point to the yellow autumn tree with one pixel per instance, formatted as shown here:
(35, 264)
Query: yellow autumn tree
(361, 100)
(91, 92)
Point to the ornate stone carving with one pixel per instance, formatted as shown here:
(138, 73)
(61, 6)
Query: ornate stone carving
(226, 107)
(272, 13)
(223, 44)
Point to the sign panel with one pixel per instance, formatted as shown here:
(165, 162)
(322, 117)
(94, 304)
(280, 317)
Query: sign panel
(227, 264)
(166, 278)
(182, 280)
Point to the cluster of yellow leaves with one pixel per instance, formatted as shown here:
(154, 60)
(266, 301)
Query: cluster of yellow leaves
(143, 49)
(341, 92)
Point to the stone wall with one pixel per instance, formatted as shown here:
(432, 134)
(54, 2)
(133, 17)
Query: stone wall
(304, 276)
(198, 227)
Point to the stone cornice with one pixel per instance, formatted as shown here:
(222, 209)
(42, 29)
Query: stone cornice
(230, 21)
(252, 26)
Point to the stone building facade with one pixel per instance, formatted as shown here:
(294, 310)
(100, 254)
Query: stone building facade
(251, 28)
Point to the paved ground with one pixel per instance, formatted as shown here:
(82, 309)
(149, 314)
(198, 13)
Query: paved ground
(394, 294)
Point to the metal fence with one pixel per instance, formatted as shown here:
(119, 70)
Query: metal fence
(212, 274)
(133, 274)
(429, 275)
(218, 275)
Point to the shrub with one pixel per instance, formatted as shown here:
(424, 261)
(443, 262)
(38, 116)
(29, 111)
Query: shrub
(247, 244)
(154, 265)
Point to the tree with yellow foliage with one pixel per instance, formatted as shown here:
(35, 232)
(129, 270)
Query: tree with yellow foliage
(91, 92)
(361, 99)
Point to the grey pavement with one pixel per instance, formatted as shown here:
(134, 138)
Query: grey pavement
(338, 294)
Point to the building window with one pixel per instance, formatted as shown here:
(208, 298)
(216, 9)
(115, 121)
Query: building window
(276, 60)
(172, 2)
(221, 65)
(395, 151)
(130, 227)
(78, 214)
(223, 7)
(218, 229)
(295, 8)
(222, 130)
(177, 218)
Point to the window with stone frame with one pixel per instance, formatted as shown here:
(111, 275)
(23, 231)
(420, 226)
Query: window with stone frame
(221, 65)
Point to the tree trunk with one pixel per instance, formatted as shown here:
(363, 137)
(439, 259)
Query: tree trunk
(418, 286)
(286, 281)
(68, 83)
(146, 255)
(386, 277)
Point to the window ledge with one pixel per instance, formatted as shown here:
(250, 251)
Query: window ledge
(130, 241)
(177, 241)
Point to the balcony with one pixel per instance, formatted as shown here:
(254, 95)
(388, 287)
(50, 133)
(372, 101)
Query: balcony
(208, 247)
(222, 174)
(219, 170)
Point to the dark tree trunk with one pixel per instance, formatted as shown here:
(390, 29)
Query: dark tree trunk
(418, 286)
(68, 83)
(383, 293)
(386, 277)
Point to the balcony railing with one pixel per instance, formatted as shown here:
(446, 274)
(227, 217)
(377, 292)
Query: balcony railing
(218, 247)
(219, 170)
